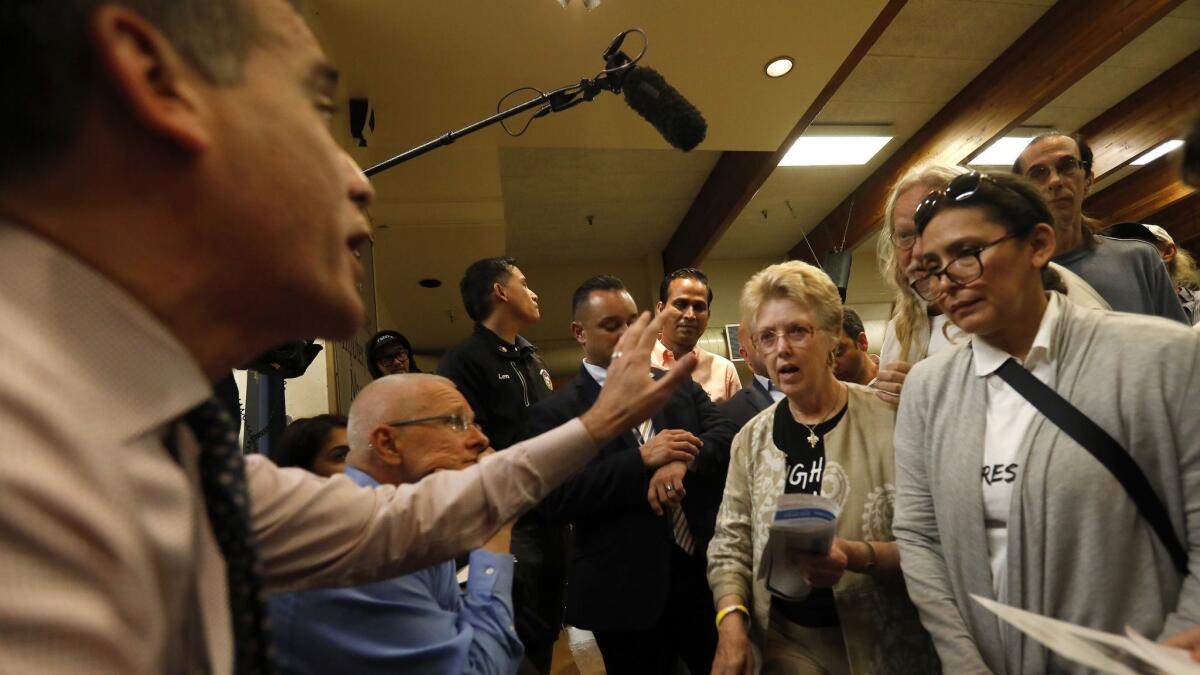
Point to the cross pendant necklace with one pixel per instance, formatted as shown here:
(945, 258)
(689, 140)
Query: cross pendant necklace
(813, 438)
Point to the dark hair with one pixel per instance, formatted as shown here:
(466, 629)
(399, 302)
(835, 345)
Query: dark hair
(1085, 150)
(600, 282)
(1013, 202)
(852, 324)
(476, 284)
(303, 438)
(1008, 199)
(372, 347)
(683, 273)
(50, 66)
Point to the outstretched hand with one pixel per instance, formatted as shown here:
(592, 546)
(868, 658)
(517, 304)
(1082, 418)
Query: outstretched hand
(630, 395)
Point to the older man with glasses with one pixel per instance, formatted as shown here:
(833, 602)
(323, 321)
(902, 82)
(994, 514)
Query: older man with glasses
(401, 429)
(1128, 274)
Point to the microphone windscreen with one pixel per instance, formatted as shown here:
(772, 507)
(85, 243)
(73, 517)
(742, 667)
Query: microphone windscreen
(661, 105)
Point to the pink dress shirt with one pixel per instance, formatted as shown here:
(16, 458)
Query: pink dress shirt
(715, 374)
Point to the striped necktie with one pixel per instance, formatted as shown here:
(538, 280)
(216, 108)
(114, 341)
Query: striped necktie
(227, 500)
(679, 525)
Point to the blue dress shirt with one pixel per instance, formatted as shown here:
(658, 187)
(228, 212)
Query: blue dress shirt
(419, 623)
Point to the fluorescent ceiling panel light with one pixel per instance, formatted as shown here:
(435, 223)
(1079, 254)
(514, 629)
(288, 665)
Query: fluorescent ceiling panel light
(833, 150)
(1156, 153)
(1003, 152)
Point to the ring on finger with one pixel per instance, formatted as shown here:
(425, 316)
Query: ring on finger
(616, 354)
(670, 487)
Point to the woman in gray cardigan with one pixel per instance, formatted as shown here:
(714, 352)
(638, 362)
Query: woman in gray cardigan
(995, 500)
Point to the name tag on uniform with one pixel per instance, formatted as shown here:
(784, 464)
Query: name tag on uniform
(504, 376)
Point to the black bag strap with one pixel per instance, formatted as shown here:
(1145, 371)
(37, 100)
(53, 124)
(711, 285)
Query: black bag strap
(1104, 448)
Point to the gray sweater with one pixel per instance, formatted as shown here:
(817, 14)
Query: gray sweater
(1129, 274)
(1077, 548)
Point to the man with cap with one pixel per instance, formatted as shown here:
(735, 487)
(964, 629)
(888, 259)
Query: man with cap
(390, 353)
(1180, 264)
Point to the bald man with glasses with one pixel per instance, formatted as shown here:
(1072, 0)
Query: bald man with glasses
(403, 428)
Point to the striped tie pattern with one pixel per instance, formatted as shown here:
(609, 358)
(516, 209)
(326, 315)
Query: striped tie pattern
(227, 500)
(679, 524)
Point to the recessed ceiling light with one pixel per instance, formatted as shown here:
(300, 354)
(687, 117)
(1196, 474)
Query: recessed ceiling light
(1003, 152)
(429, 283)
(1156, 153)
(779, 67)
(833, 150)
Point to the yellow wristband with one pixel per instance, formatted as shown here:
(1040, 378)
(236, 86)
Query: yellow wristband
(729, 610)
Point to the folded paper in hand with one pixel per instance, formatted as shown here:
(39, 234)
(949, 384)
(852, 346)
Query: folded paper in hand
(1129, 654)
(804, 524)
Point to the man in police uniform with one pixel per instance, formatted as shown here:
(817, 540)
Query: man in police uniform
(501, 376)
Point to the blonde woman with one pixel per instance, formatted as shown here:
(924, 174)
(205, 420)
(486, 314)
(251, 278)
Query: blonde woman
(919, 329)
(829, 438)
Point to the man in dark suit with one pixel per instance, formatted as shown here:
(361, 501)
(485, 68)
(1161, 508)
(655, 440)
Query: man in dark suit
(643, 510)
(760, 395)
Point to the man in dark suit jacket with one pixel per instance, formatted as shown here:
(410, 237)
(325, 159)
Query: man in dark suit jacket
(636, 575)
(760, 395)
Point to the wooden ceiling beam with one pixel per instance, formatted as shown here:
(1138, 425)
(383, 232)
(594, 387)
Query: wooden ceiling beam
(1181, 219)
(738, 174)
(1065, 44)
(1147, 118)
(1146, 191)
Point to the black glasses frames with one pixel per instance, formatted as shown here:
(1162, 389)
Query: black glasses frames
(960, 271)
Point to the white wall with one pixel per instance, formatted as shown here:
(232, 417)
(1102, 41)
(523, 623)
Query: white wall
(304, 396)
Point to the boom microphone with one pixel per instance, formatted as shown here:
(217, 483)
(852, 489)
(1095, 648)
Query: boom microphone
(679, 122)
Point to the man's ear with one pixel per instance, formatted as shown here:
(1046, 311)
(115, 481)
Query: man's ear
(1169, 251)
(499, 292)
(1042, 239)
(384, 446)
(1088, 180)
(577, 332)
(149, 76)
(658, 307)
(861, 342)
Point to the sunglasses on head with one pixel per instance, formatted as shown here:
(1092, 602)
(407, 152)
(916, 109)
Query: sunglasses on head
(959, 190)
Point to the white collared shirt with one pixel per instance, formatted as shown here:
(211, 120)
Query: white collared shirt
(1009, 417)
(598, 374)
(766, 383)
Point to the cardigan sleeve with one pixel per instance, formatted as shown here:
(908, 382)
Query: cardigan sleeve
(1187, 609)
(731, 550)
(916, 529)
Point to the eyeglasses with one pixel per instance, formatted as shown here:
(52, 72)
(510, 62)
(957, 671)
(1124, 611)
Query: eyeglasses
(1066, 166)
(961, 271)
(455, 422)
(401, 357)
(903, 241)
(767, 339)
